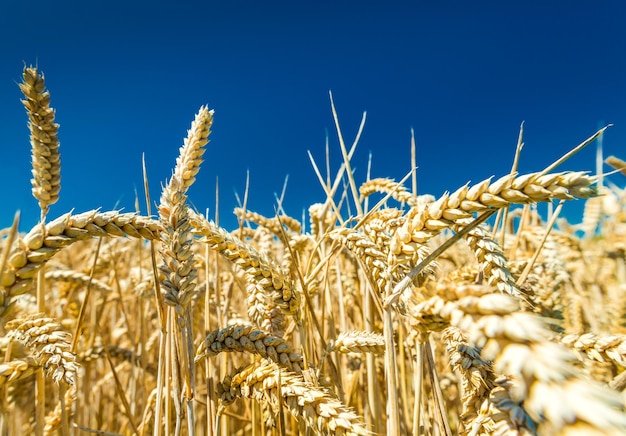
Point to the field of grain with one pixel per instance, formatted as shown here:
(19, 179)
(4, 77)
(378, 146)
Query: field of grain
(386, 312)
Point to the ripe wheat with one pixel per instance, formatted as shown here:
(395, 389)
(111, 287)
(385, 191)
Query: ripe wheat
(176, 325)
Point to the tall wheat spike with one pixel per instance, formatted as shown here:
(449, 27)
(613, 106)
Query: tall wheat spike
(44, 141)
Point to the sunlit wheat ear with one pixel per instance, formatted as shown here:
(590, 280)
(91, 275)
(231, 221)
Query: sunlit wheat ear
(192, 150)
(358, 342)
(424, 222)
(491, 259)
(15, 370)
(397, 192)
(250, 339)
(265, 382)
(477, 378)
(117, 353)
(555, 394)
(78, 278)
(53, 420)
(372, 257)
(262, 272)
(46, 159)
(49, 344)
(388, 186)
(321, 220)
(355, 342)
(379, 247)
(178, 262)
(43, 242)
(601, 348)
(272, 224)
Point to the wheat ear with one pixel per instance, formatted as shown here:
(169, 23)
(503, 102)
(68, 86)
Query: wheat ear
(177, 266)
(388, 186)
(43, 242)
(267, 383)
(601, 348)
(78, 278)
(18, 369)
(424, 222)
(261, 271)
(250, 339)
(44, 142)
(555, 394)
(48, 342)
(272, 224)
(490, 256)
(116, 352)
(358, 342)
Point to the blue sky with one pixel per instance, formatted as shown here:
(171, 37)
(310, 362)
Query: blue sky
(126, 78)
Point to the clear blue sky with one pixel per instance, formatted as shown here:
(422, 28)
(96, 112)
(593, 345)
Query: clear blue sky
(126, 78)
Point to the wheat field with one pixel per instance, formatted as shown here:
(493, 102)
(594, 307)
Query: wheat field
(384, 312)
